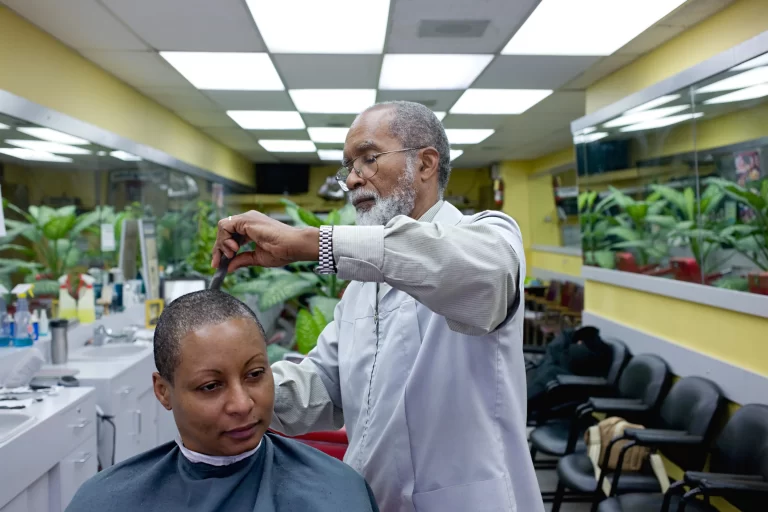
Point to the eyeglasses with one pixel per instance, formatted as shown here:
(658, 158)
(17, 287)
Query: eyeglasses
(365, 166)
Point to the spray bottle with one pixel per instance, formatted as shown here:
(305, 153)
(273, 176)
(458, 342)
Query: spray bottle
(43, 322)
(23, 335)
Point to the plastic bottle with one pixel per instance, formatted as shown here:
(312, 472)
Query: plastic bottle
(5, 326)
(43, 328)
(23, 334)
(11, 325)
(35, 325)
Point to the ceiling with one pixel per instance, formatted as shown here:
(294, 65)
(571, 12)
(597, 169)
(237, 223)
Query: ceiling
(125, 37)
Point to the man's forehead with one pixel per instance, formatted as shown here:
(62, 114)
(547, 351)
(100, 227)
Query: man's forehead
(368, 132)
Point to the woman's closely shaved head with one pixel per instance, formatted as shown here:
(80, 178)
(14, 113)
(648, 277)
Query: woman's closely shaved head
(189, 313)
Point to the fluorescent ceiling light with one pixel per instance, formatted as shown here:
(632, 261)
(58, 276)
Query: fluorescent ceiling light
(48, 147)
(417, 72)
(456, 153)
(53, 136)
(498, 101)
(335, 155)
(467, 135)
(644, 115)
(226, 71)
(749, 78)
(288, 146)
(586, 27)
(330, 26)
(750, 93)
(440, 115)
(662, 122)
(586, 130)
(333, 101)
(663, 100)
(4, 126)
(30, 154)
(589, 137)
(267, 119)
(328, 135)
(757, 61)
(125, 156)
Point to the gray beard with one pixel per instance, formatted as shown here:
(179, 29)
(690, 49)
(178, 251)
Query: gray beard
(400, 202)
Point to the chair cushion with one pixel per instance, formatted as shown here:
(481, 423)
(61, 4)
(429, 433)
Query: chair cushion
(649, 502)
(575, 472)
(552, 438)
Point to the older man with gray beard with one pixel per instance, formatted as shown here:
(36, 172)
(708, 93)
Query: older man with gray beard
(423, 361)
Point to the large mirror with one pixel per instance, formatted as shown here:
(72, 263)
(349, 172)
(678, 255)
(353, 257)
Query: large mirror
(676, 187)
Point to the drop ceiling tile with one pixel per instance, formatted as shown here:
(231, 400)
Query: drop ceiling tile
(567, 103)
(532, 71)
(207, 118)
(139, 69)
(251, 100)
(235, 138)
(440, 101)
(599, 70)
(504, 17)
(325, 145)
(329, 120)
(279, 134)
(81, 24)
(650, 39)
(259, 157)
(179, 98)
(328, 71)
(191, 25)
(473, 121)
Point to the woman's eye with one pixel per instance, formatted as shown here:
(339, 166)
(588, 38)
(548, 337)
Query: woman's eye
(211, 386)
(255, 374)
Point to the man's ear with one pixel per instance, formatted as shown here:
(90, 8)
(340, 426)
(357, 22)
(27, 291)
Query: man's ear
(162, 390)
(430, 163)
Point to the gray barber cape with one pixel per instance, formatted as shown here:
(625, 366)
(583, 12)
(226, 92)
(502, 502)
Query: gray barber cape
(282, 476)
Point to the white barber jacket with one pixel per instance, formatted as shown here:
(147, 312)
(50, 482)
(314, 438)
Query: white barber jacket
(424, 364)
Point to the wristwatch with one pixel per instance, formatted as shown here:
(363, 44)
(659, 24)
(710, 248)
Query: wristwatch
(327, 264)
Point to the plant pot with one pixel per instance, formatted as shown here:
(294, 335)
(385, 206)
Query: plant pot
(758, 283)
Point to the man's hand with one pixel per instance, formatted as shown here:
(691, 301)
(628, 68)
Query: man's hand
(277, 244)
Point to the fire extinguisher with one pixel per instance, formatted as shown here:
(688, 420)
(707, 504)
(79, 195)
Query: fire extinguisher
(498, 192)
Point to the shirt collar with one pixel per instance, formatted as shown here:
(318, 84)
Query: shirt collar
(430, 214)
(214, 460)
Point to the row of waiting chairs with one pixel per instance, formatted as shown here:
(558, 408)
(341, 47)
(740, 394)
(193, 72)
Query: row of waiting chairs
(551, 309)
(681, 419)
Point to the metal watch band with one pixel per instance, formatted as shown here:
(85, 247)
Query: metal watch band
(327, 264)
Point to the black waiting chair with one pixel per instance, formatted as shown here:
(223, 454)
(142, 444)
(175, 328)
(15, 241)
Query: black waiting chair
(568, 391)
(738, 471)
(687, 413)
(639, 391)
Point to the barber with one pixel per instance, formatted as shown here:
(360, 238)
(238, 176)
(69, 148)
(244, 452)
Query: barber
(423, 360)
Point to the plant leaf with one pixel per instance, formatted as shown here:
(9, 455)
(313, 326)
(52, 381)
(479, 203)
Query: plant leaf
(309, 326)
(326, 305)
(333, 219)
(624, 233)
(605, 259)
(283, 291)
(59, 227)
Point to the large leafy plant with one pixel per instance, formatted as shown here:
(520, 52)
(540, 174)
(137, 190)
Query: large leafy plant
(595, 221)
(637, 228)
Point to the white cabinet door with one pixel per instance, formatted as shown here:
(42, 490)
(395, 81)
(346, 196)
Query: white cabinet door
(75, 469)
(126, 440)
(147, 421)
(33, 498)
(166, 425)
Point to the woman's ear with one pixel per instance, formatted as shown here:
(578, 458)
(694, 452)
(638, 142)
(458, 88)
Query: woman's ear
(162, 390)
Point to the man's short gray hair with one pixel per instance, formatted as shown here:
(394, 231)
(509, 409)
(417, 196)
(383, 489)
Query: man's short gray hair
(416, 126)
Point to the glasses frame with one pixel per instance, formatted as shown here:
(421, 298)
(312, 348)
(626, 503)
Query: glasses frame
(349, 168)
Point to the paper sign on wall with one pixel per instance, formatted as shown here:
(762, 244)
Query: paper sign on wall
(2, 217)
(107, 237)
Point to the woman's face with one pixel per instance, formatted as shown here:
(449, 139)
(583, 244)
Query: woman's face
(223, 392)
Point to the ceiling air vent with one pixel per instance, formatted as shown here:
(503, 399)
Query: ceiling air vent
(452, 28)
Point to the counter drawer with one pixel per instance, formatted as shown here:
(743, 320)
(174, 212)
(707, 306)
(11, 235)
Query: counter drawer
(77, 467)
(78, 423)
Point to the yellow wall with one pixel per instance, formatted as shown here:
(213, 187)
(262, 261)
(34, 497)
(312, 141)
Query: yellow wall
(41, 69)
(735, 24)
(552, 160)
(556, 262)
(515, 175)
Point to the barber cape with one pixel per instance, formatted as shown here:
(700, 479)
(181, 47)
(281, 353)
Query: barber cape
(436, 419)
(281, 476)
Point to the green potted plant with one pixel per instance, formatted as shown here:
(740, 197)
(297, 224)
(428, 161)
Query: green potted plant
(594, 223)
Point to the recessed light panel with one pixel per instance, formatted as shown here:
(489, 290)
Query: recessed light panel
(644, 115)
(416, 72)
(456, 153)
(125, 156)
(328, 135)
(662, 100)
(467, 135)
(53, 136)
(328, 26)
(288, 146)
(756, 62)
(440, 115)
(222, 71)
(498, 101)
(332, 101)
(267, 119)
(48, 147)
(4, 126)
(586, 27)
(755, 76)
(332, 155)
(35, 156)
(586, 130)
(661, 123)
(589, 137)
(750, 93)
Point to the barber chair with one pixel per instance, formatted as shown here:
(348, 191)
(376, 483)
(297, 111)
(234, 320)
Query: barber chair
(331, 442)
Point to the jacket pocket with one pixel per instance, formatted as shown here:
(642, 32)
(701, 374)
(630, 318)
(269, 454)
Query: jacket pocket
(485, 496)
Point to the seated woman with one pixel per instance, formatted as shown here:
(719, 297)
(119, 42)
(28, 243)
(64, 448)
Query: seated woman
(211, 357)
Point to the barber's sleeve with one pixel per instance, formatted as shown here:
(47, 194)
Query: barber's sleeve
(307, 395)
(467, 272)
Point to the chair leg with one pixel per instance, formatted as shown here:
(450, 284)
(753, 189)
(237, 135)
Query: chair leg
(559, 494)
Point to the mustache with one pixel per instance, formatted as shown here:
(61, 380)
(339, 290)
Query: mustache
(360, 195)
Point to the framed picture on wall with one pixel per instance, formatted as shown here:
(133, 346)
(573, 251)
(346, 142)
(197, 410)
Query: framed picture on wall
(153, 308)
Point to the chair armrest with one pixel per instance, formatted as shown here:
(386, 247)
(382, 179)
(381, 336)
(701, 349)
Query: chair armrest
(578, 380)
(617, 405)
(728, 488)
(694, 478)
(660, 437)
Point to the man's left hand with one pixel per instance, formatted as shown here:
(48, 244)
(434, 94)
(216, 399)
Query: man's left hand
(277, 244)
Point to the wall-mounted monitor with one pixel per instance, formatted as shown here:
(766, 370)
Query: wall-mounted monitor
(282, 179)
